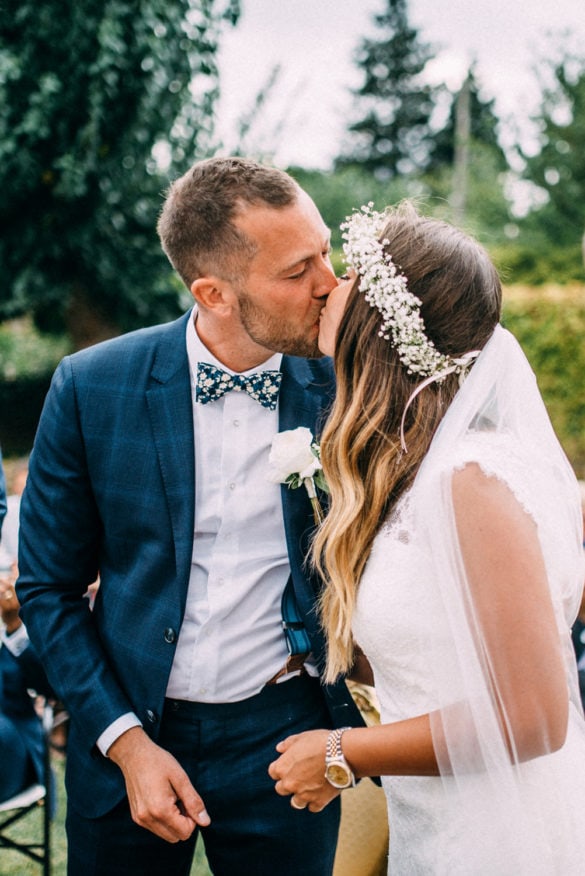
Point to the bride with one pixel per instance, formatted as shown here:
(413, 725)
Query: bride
(452, 555)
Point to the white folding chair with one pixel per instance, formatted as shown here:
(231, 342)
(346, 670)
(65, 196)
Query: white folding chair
(30, 800)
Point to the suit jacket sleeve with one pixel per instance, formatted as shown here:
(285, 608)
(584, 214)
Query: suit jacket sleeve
(58, 559)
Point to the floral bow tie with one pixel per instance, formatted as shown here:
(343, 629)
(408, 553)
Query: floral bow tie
(213, 383)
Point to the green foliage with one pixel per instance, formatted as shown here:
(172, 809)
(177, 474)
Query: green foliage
(487, 212)
(524, 261)
(26, 353)
(338, 193)
(392, 137)
(550, 326)
(483, 129)
(558, 168)
(88, 92)
(27, 361)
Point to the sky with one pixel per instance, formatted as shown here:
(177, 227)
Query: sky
(314, 41)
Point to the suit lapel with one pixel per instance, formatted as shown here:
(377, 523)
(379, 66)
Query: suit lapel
(307, 390)
(170, 408)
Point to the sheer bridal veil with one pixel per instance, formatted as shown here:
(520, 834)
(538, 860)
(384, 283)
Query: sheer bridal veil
(523, 815)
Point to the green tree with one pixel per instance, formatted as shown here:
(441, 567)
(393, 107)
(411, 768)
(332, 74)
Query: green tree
(338, 193)
(558, 167)
(88, 93)
(483, 128)
(393, 136)
(486, 209)
(467, 168)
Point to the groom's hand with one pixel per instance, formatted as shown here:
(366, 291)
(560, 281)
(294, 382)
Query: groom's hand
(162, 799)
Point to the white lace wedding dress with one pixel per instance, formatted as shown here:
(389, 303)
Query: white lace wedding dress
(487, 816)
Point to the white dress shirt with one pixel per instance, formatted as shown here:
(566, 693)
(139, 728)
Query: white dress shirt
(231, 640)
(9, 543)
(16, 642)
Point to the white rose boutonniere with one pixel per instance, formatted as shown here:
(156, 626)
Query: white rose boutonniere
(295, 460)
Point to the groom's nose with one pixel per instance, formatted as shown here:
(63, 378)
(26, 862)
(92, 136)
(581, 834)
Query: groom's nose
(327, 280)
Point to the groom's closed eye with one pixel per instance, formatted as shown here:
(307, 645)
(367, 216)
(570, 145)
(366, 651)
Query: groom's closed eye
(297, 275)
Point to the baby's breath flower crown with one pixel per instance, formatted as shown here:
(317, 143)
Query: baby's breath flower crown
(386, 289)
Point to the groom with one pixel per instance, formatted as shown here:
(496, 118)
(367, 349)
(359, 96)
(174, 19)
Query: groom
(178, 682)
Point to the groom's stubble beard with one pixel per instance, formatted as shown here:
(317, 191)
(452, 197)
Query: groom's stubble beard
(277, 333)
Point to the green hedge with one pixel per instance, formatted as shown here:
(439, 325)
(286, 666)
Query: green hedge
(21, 402)
(534, 265)
(549, 323)
(27, 361)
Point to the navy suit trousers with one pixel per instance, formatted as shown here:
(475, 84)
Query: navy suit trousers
(226, 750)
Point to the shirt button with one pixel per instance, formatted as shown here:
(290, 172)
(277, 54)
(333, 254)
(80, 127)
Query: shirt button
(236, 423)
(232, 486)
(202, 690)
(170, 635)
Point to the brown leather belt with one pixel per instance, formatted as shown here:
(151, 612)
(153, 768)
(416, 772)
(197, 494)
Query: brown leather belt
(295, 663)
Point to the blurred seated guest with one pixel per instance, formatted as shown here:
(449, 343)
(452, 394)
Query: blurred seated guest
(578, 631)
(17, 481)
(91, 592)
(2, 494)
(21, 734)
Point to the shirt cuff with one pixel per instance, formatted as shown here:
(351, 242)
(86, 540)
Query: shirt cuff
(115, 730)
(16, 642)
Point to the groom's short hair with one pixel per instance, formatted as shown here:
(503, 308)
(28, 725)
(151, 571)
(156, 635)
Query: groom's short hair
(196, 225)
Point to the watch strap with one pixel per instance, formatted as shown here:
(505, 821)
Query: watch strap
(333, 750)
(334, 754)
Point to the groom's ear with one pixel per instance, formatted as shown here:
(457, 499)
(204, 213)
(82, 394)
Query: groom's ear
(212, 293)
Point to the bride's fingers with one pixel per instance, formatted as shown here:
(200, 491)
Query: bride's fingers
(285, 744)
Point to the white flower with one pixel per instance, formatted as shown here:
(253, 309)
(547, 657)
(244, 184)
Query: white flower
(386, 289)
(295, 460)
(293, 455)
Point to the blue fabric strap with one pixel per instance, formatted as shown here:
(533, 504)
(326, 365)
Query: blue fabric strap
(297, 638)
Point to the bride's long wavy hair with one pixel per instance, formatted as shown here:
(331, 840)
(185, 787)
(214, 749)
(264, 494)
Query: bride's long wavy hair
(362, 459)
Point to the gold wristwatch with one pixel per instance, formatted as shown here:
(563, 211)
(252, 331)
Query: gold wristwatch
(337, 770)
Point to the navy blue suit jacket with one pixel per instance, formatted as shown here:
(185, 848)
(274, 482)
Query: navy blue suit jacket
(110, 489)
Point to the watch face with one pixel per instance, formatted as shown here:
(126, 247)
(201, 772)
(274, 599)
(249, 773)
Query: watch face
(338, 775)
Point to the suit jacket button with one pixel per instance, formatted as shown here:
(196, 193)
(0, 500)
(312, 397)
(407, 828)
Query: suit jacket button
(170, 635)
(151, 716)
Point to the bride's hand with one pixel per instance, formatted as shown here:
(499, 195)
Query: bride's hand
(299, 772)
